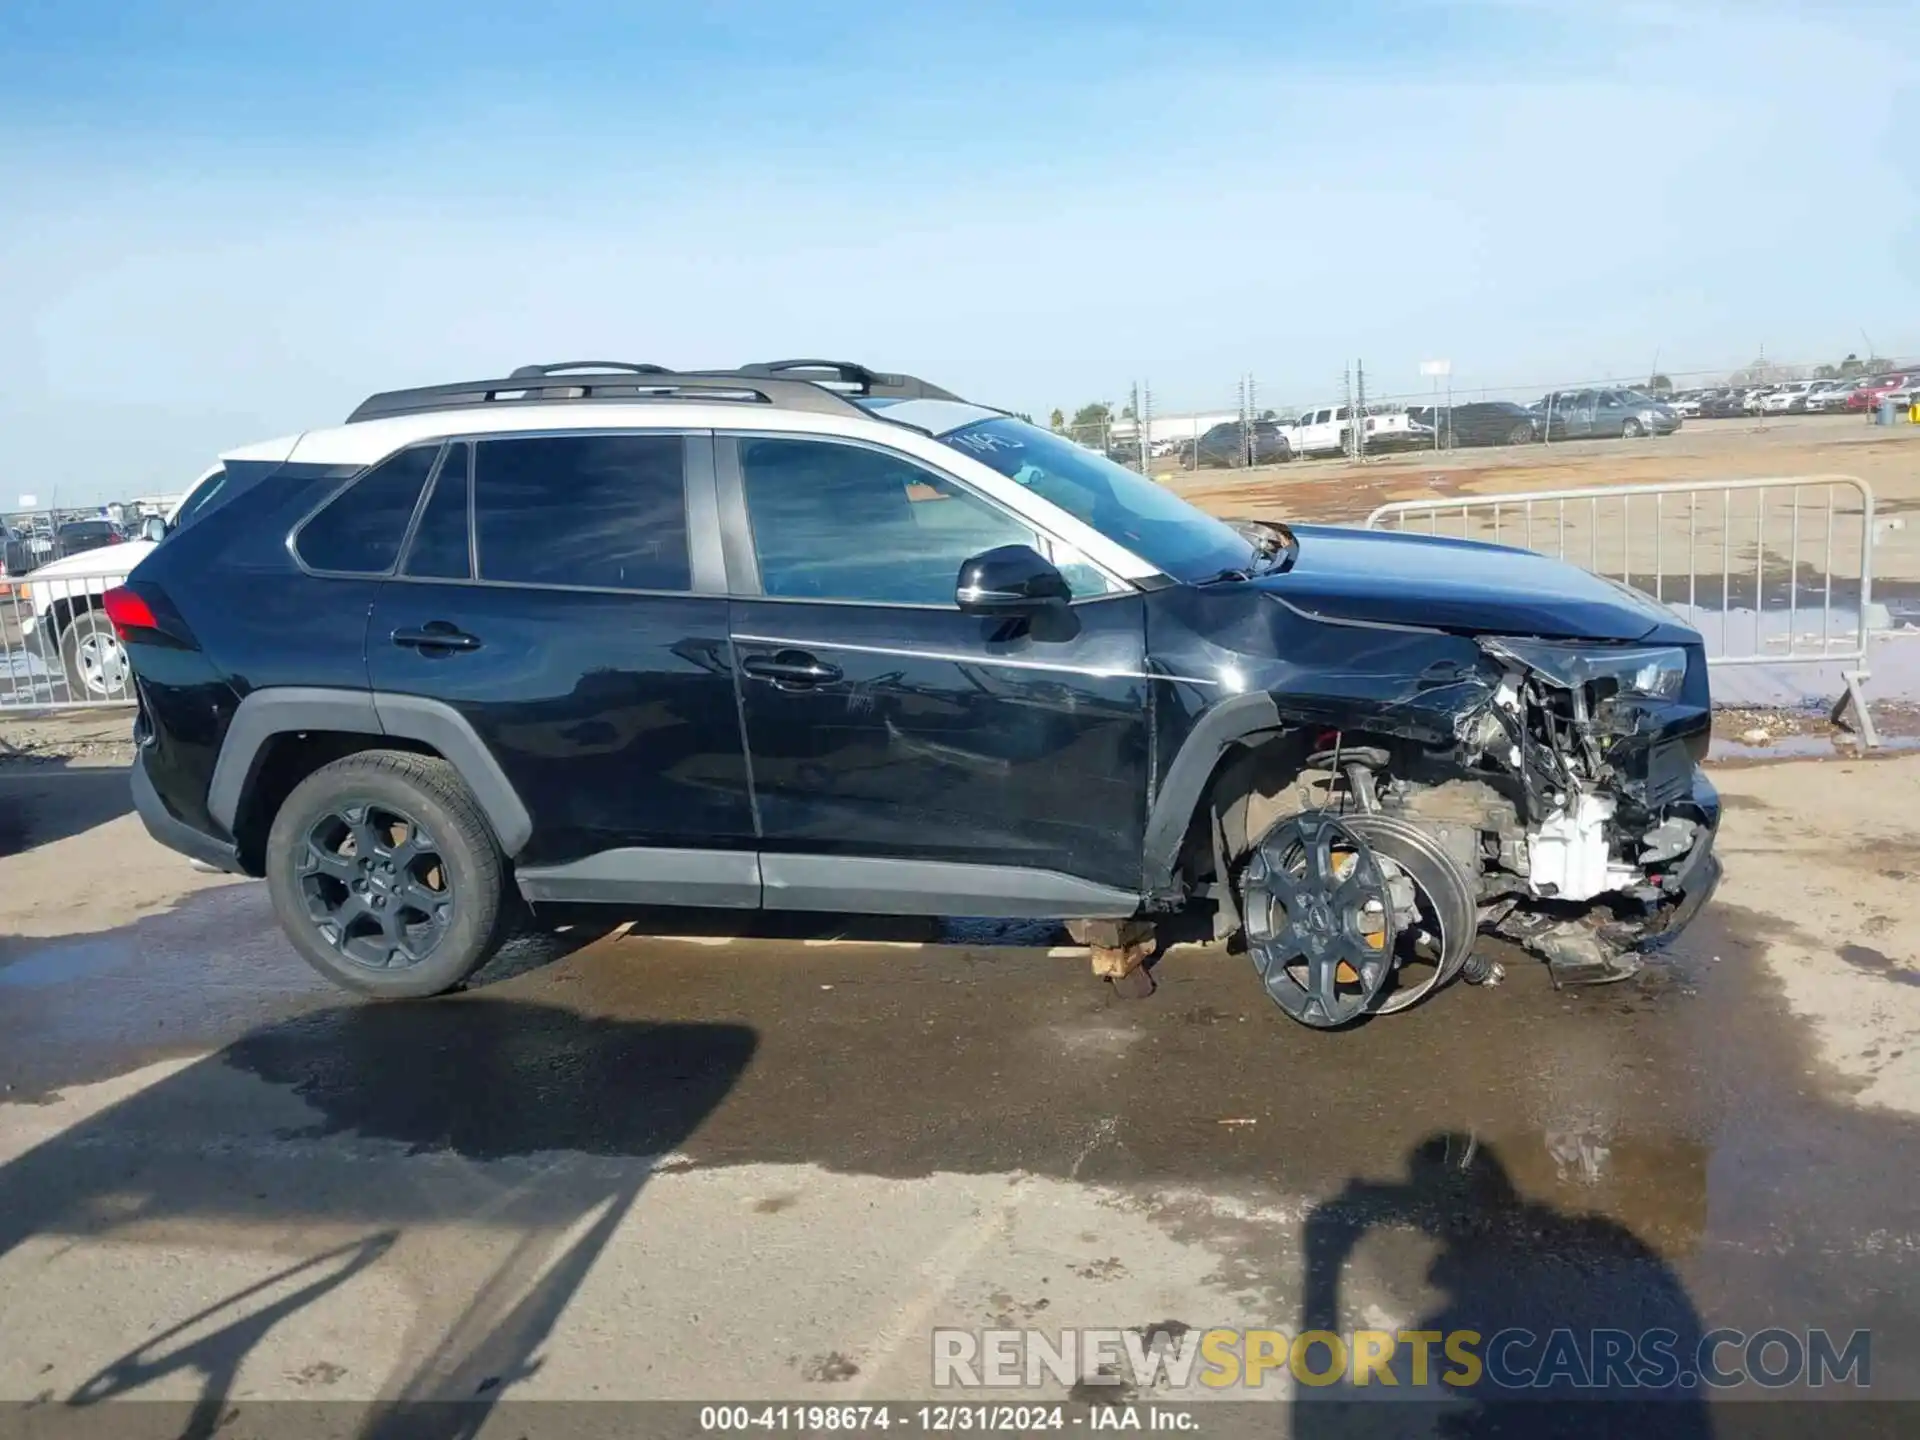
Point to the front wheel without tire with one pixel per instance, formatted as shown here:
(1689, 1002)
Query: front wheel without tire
(386, 876)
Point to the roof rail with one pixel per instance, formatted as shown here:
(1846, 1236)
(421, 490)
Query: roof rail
(521, 372)
(845, 372)
(534, 384)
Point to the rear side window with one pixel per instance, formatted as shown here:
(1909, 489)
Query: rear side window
(439, 549)
(606, 511)
(360, 530)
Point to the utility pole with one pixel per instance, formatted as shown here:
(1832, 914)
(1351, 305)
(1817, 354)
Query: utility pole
(1145, 421)
(1346, 381)
(1359, 416)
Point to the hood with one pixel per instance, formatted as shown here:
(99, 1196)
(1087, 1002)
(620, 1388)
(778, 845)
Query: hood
(1386, 577)
(102, 560)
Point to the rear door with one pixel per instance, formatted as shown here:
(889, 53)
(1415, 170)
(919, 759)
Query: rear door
(1580, 409)
(557, 594)
(908, 757)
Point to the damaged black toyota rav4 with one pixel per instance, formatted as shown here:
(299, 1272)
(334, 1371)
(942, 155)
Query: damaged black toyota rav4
(800, 636)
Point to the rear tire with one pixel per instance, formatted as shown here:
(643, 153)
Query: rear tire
(386, 876)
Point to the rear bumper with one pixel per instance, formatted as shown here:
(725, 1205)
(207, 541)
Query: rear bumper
(175, 833)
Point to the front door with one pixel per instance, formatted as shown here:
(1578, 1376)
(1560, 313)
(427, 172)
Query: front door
(549, 595)
(1609, 414)
(946, 762)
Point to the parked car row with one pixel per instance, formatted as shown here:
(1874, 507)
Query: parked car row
(1591, 413)
(24, 548)
(1792, 397)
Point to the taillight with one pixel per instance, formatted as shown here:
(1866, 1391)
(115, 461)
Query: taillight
(128, 611)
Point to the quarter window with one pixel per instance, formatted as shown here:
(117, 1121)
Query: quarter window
(360, 530)
(840, 522)
(440, 548)
(606, 511)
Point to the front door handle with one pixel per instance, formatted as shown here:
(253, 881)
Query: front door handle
(794, 669)
(436, 635)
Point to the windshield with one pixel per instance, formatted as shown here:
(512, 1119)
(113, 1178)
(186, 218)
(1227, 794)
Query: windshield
(1129, 509)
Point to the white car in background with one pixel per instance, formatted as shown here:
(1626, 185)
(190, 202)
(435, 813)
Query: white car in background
(1785, 399)
(63, 619)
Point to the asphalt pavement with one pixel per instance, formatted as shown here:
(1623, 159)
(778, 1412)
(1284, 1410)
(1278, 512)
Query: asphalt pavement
(661, 1159)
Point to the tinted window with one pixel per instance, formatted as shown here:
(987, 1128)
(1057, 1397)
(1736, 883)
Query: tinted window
(609, 511)
(204, 494)
(360, 530)
(439, 546)
(837, 522)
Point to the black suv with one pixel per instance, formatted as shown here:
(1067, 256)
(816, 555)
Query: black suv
(802, 636)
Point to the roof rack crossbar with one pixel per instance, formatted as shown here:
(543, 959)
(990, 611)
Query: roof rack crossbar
(847, 372)
(631, 386)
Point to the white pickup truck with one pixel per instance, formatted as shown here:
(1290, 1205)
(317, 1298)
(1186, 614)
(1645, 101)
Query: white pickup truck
(1324, 431)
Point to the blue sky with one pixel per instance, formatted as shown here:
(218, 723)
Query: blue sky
(223, 221)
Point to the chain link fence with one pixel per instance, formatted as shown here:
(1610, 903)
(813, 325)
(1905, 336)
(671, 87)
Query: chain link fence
(1255, 424)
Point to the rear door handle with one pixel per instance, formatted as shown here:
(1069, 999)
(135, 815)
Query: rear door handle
(791, 668)
(436, 635)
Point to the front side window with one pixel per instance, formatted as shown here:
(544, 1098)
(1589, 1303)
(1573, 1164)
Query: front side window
(842, 522)
(360, 530)
(603, 511)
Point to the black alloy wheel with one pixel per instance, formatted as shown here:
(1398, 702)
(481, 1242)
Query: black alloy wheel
(375, 885)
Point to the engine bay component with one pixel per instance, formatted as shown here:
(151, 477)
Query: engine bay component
(1569, 857)
(1319, 917)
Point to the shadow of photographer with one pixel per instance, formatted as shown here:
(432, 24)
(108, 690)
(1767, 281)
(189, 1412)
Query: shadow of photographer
(548, 1125)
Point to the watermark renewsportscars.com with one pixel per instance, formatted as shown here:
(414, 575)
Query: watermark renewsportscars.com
(1509, 1359)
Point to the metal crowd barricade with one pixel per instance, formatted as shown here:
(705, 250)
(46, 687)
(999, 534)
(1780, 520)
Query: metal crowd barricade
(57, 651)
(1772, 572)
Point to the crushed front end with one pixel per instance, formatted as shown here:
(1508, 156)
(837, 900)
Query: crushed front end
(1610, 851)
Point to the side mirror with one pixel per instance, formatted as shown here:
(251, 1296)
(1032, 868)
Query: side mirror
(1010, 580)
(154, 529)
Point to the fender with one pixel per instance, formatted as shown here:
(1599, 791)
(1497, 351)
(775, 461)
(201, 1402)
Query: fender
(1213, 734)
(290, 709)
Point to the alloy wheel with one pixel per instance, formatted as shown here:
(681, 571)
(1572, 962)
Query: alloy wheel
(376, 887)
